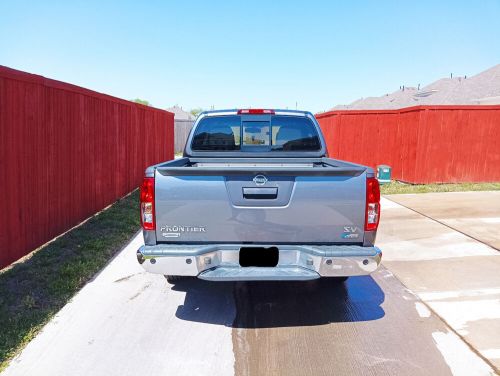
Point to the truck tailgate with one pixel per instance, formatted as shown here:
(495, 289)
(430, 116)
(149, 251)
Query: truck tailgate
(260, 208)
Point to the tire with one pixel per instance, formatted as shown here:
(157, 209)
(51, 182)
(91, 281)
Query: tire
(173, 279)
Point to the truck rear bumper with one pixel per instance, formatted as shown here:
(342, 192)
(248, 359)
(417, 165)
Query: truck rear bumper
(220, 262)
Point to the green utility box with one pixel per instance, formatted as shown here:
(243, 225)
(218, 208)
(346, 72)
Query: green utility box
(384, 174)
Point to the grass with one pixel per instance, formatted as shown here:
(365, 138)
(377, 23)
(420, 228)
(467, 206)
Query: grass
(34, 290)
(395, 187)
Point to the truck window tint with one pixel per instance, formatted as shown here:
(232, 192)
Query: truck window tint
(256, 133)
(285, 133)
(218, 133)
(290, 133)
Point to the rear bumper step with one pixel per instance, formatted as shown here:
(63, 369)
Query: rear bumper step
(223, 273)
(296, 262)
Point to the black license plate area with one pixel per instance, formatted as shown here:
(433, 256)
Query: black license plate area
(259, 256)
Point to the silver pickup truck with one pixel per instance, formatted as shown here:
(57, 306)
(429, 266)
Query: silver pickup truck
(256, 197)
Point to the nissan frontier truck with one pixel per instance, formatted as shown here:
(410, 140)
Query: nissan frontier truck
(256, 197)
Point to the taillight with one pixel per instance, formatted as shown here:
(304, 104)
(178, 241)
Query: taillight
(148, 204)
(255, 111)
(372, 213)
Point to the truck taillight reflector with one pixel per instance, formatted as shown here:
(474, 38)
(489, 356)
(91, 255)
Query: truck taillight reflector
(255, 111)
(148, 204)
(372, 213)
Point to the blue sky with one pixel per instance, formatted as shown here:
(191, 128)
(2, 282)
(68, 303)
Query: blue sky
(249, 54)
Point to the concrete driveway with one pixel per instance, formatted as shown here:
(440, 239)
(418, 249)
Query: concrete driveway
(127, 322)
(446, 250)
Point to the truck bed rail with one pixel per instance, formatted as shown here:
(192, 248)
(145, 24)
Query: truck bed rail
(248, 166)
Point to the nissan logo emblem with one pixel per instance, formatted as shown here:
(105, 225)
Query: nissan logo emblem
(260, 180)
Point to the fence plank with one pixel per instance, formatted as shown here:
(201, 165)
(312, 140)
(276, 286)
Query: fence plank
(67, 152)
(181, 133)
(423, 144)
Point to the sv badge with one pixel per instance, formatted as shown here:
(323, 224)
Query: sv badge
(350, 232)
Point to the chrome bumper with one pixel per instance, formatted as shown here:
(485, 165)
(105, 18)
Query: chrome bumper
(220, 262)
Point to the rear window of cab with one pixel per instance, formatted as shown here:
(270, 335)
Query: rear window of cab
(232, 133)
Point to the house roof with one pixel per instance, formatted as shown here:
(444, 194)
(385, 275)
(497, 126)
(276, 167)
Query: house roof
(180, 114)
(483, 88)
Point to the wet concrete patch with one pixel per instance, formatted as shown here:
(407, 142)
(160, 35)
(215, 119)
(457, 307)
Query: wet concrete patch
(464, 292)
(368, 326)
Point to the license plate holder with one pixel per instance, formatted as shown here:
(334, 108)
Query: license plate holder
(259, 256)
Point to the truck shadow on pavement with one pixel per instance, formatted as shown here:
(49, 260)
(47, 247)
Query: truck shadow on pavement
(280, 304)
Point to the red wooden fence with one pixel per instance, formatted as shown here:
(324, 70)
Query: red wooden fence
(423, 144)
(65, 153)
